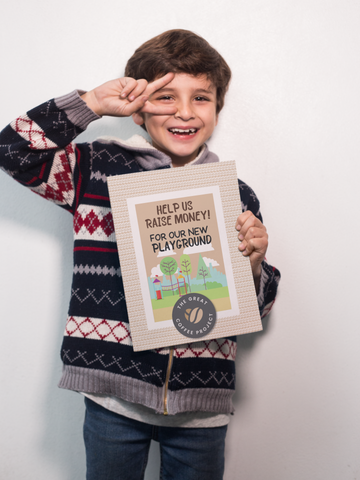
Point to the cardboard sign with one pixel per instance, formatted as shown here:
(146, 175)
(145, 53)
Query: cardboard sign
(179, 257)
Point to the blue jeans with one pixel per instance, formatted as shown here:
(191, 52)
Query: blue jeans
(117, 448)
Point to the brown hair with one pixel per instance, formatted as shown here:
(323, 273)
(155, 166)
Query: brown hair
(180, 51)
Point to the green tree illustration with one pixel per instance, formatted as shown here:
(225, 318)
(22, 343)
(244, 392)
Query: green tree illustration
(186, 267)
(202, 271)
(168, 266)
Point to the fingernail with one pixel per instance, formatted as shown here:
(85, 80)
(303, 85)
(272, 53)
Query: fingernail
(131, 98)
(123, 95)
(241, 237)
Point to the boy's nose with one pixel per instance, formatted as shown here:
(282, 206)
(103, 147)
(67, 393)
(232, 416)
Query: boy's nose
(184, 111)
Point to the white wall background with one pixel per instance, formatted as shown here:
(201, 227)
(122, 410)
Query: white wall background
(291, 121)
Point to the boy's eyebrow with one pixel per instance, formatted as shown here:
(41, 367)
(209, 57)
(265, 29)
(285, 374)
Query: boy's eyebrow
(205, 90)
(197, 90)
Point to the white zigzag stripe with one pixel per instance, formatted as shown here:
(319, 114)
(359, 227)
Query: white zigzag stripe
(115, 361)
(218, 377)
(91, 294)
(81, 269)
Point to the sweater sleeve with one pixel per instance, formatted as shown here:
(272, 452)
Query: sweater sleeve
(270, 276)
(37, 148)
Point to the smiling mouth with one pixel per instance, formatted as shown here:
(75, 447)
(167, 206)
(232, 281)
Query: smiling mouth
(180, 131)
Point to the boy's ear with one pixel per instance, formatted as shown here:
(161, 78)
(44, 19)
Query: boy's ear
(138, 118)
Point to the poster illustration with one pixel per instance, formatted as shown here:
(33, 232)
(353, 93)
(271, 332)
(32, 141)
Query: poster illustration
(181, 247)
(177, 242)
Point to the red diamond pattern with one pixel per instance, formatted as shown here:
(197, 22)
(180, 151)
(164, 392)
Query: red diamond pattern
(53, 195)
(214, 348)
(59, 187)
(63, 178)
(56, 191)
(100, 329)
(107, 224)
(91, 222)
(29, 130)
(119, 332)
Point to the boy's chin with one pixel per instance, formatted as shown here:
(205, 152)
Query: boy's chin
(180, 161)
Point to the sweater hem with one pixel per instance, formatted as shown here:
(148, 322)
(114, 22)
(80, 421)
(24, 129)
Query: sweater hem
(133, 390)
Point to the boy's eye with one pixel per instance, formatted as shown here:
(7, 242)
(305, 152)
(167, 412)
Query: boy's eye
(165, 97)
(201, 99)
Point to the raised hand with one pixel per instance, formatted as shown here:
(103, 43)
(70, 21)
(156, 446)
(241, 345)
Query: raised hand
(253, 241)
(124, 96)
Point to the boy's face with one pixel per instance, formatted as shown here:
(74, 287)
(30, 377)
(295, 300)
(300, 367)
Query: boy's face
(182, 134)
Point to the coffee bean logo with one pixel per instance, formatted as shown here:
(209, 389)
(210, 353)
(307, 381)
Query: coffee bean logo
(194, 315)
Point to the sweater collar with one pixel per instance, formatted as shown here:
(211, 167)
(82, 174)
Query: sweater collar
(150, 158)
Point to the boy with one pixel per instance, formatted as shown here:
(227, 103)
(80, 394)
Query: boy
(174, 87)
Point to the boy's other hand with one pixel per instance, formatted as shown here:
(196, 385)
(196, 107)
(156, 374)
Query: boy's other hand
(124, 96)
(253, 241)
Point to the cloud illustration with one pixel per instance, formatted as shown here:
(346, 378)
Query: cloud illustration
(156, 271)
(167, 253)
(198, 249)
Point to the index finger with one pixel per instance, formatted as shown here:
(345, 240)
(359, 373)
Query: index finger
(158, 109)
(159, 83)
(242, 218)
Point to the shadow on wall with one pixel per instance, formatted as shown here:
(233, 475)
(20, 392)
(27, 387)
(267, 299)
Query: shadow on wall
(245, 345)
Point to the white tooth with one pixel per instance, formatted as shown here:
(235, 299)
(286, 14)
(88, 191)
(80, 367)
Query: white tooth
(189, 130)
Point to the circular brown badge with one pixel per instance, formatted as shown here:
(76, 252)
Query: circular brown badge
(194, 315)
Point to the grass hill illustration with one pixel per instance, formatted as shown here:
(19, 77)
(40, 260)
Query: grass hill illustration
(188, 275)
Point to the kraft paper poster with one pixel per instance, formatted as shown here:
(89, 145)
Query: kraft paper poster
(178, 253)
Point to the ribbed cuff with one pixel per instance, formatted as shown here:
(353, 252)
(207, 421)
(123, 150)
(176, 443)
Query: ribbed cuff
(76, 109)
(264, 277)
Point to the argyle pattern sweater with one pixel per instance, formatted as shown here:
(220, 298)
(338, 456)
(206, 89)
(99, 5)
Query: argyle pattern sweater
(37, 150)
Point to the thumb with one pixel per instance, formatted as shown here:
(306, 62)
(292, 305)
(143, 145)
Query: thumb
(137, 118)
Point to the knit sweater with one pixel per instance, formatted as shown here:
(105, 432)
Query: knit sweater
(37, 150)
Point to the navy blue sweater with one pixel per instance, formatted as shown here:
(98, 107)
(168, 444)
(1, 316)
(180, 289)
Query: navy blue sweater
(37, 149)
